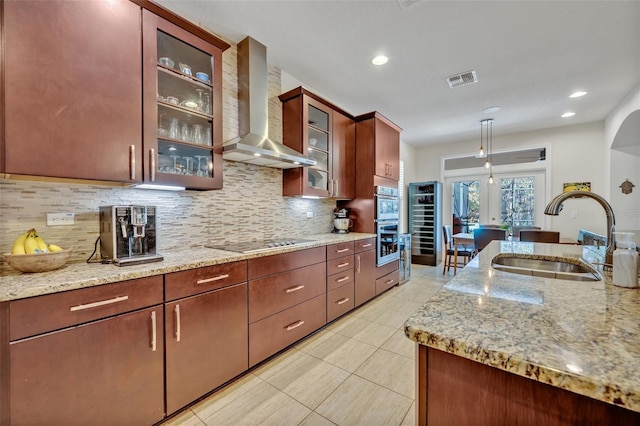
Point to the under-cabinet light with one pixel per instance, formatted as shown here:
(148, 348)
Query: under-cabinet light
(160, 187)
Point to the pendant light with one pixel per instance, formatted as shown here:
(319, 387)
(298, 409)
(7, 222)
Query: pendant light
(486, 133)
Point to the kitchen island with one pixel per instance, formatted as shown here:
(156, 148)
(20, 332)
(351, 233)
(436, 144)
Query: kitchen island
(500, 348)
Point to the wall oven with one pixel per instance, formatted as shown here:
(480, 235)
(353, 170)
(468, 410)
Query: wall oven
(387, 211)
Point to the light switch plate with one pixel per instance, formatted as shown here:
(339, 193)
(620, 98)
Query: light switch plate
(60, 219)
(309, 214)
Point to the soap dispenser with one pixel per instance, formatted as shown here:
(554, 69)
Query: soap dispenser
(625, 261)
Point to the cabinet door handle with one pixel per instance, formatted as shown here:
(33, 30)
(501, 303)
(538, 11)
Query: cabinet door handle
(341, 301)
(358, 263)
(208, 280)
(330, 188)
(292, 289)
(82, 307)
(335, 192)
(132, 162)
(153, 332)
(366, 245)
(178, 330)
(152, 161)
(294, 325)
(342, 265)
(342, 279)
(342, 250)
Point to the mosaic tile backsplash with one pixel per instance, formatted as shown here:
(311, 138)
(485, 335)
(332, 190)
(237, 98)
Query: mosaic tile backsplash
(249, 207)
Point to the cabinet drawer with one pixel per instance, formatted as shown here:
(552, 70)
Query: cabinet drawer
(340, 250)
(340, 301)
(388, 281)
(187, 283)
(364, 245)
(36, 315)
(268, 336)
(279, 292)
(340, 279)
(339, 265)
(269, 265)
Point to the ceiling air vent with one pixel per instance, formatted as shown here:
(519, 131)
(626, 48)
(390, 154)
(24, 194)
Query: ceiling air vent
(462, 79)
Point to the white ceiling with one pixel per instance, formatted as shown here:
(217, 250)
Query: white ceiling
(528, 55)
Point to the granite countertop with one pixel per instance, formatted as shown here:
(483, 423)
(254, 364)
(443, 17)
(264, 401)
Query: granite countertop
(582, 336)
(18, 285)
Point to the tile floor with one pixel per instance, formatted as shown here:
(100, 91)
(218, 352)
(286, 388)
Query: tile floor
(357, 371)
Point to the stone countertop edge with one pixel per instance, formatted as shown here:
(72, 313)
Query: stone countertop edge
(17, 285)
(583, 337)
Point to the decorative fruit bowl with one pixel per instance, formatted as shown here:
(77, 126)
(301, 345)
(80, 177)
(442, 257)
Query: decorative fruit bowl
(38, 262)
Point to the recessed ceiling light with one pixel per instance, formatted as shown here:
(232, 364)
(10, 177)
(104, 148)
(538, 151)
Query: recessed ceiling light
(577, 94)
(379, 60)
(491, 109)
(568, 114)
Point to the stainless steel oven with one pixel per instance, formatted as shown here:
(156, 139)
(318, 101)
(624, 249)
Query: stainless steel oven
(388, 248)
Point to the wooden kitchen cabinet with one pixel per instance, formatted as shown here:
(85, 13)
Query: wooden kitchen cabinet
(109, 370)
(325, 134)
(365, 271)
(72, 85)
(385, 282)
(206, 343)
(182, 106)
(379, 139)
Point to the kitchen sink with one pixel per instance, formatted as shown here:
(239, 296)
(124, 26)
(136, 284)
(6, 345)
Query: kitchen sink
(547, 268)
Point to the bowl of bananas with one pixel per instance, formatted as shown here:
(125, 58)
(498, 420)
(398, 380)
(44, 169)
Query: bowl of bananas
(31, 253)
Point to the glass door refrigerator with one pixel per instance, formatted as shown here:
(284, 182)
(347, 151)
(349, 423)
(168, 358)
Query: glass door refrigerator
(425, 222)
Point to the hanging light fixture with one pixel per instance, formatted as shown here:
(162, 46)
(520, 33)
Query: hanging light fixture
(486, 133)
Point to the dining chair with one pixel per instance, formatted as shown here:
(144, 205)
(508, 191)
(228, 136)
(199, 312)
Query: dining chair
(518, 228)
(466, 252)
(483, 236)
(540, 236)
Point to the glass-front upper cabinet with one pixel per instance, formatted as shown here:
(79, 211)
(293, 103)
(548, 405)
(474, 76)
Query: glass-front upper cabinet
(318, 146)
(182, 107)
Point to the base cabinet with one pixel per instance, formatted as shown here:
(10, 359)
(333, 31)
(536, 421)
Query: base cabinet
(385, 283)
(206, 343)
(106, 372)
(365, 275)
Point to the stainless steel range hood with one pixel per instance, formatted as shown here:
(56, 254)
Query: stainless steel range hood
(254, 146)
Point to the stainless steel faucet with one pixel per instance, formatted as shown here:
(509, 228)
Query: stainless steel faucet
(554, 207)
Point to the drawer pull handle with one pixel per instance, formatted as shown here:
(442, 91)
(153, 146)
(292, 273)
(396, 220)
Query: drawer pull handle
(342, 279)
(177, 311)
(366, 245)
(292, 289)
(208, 280)
(153, 332)
(294, 325)
(342, 250)
(341, 301)
(389, 281)
(342, 265)
(82, 307)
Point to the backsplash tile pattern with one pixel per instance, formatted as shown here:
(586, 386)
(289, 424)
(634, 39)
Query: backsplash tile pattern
(249, 207)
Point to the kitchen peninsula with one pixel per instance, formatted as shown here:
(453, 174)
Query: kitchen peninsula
(500, 348)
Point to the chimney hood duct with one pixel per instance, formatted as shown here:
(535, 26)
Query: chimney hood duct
(254, 146)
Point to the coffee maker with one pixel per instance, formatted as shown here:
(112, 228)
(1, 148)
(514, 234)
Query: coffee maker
(341, 221)
(128, 234)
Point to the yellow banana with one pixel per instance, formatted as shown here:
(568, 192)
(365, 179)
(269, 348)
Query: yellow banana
(31, 244)
(54, 248)
(42, 246)
(18, 245)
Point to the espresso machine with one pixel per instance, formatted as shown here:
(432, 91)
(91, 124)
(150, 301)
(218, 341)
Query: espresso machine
(128, 234)
(341, 222)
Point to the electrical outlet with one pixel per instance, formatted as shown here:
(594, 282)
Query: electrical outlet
(309, 214)
(60, 219)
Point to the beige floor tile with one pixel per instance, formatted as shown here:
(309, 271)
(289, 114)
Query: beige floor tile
(226, 395)
(340, 351)
(400, 344)
(186, 418)
(410, 418)
(365, 331)
(261, 405)
(359, 402)
(303, 377)
(390, 370)
(315, 419)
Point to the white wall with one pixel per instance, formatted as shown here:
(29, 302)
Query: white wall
(574, 154)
